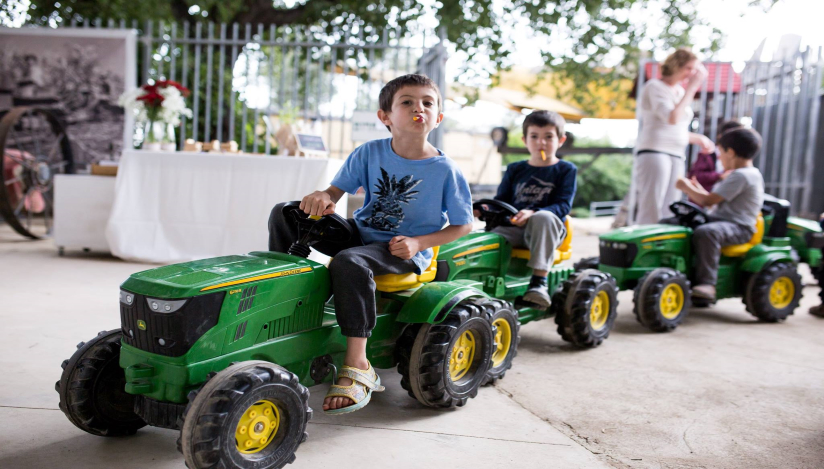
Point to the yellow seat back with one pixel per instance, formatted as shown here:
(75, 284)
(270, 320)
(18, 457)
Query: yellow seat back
(563, 253)
(738, 250)
(397, 282)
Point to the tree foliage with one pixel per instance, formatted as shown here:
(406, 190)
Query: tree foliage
(584, 43)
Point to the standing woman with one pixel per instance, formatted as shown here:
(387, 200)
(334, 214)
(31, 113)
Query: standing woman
(666, 111)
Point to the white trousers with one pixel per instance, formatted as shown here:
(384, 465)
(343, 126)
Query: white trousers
(655, 177)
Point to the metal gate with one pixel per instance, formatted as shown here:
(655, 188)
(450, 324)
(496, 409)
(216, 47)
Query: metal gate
(779, 99)
(241, 75)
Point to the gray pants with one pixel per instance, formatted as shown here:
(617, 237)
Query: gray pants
(351, 272)
(707, 241)
(542, 234)
(655, 177)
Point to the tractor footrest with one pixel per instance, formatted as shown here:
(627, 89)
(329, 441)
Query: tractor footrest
(158, 414)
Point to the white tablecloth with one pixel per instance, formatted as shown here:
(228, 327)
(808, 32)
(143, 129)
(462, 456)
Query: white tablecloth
(173, 207)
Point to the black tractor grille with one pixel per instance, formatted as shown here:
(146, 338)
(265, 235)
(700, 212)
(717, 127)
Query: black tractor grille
(169, 334)
(616, 257)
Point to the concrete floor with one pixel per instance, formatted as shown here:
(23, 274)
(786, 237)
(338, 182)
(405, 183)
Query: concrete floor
(722, 391)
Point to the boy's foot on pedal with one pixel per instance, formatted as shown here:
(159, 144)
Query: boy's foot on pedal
(538, 292)
(704, 292)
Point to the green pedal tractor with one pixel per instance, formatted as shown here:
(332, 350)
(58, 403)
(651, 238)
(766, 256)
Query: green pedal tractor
(223, 349)
(657, 262)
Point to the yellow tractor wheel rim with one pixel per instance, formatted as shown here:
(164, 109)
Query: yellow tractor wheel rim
(782, 292)
(257, 427)
(503, 339)
(672, 301)
(599, 311)
(462, 355)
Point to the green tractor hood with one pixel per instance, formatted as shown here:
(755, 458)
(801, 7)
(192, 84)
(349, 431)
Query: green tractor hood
(209, 275)
(646, 233)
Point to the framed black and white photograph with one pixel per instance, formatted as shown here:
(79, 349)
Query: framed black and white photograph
(77, 75)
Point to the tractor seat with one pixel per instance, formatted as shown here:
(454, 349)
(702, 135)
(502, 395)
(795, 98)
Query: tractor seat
(738, 250)
(563, 253)
(397, 282)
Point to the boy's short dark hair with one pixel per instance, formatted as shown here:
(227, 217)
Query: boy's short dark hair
(728, 125)
(543, 119)
(744, 142)
(413, 79)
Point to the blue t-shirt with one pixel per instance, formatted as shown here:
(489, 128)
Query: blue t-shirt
(404, 197)
(536, 188)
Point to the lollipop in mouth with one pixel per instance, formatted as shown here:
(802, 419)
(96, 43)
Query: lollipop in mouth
(417, 118)
(543, 155)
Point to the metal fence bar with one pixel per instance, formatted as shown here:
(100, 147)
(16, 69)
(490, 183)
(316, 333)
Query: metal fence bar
(221, 72)
(765, 123)
(257, 83)
(147, 50)
(196, 84)
(184, 81)
(267, 148)
(207, 120)
(172, 50)
(161, 29)
(812, 126)
(232, 98)
(243, 118)
(787, 151)
(777, 157)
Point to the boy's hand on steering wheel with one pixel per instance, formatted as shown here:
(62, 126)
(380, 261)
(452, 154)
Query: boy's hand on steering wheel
(404, 247)
(520, 218)
(318, 203)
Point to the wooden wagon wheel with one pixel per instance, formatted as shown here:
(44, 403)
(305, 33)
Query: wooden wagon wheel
(33, 148)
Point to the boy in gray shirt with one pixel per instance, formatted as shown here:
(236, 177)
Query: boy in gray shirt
(738, 201)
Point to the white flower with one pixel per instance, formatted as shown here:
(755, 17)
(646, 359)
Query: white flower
(171, 108)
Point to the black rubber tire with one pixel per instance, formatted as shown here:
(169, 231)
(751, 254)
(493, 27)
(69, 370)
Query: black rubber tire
(572, 302)
(92, 389)
(207, 433)
(499, 309)
(587, 263)
(647, 299)
(757, 294)
(424, 366)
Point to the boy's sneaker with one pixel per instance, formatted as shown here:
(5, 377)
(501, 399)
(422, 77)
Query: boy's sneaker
(704, 292)
(817, 311)
(538, 292)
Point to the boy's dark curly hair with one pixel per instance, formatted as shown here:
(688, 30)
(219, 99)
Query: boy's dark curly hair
(543, 119)
(744, 142)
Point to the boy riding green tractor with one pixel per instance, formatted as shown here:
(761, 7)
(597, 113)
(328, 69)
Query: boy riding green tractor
(700, 258)
(224, 349)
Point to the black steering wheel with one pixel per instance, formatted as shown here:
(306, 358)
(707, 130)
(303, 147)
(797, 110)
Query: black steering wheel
(494, 212)
(312, 230)
(689, 214)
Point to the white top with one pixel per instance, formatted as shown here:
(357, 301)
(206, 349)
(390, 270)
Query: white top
(657, 102)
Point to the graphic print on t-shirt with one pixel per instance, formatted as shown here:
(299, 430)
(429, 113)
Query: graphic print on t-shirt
(387, 212)
(532, 191)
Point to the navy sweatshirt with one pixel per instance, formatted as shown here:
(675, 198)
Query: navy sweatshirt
(549, 188)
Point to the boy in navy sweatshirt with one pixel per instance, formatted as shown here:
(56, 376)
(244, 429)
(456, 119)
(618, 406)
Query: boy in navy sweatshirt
(542, 189)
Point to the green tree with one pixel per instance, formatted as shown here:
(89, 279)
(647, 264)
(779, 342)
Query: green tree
(595, 32)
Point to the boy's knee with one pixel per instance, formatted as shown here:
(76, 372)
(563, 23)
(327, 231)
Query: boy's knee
(344, 262)
(704, 234)
(543, 218)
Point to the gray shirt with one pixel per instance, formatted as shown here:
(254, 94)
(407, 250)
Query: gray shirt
(743, 193)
